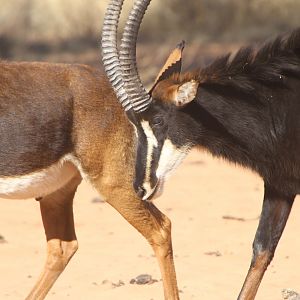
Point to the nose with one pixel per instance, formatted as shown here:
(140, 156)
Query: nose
(141, 192)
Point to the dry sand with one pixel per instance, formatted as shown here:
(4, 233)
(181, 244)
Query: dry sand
(212, 254)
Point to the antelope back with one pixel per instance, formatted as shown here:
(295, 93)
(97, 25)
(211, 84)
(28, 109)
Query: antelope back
(36, 116)
(50, 111)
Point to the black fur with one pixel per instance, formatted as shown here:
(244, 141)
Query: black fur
(247, 111)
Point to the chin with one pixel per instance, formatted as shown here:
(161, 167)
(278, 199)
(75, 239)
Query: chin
(158, 190)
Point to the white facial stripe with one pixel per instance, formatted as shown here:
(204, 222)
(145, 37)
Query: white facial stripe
(170, 158)
(151, 143)
(135, 131)
(148, 189)
(149, 133)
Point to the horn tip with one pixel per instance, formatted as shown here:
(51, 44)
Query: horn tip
(181, 45)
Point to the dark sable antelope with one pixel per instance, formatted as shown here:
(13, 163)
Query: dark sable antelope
(60, 123)
(245, 108)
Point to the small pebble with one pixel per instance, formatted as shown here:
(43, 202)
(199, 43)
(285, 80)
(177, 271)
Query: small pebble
(213, 253)
(105, 281)
(118, 284)
(112, 284)
(2, 239)
(97, 200)
(289, 294)
(143, 279)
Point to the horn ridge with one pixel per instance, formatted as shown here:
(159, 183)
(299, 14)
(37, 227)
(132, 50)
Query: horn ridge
(110, 55)
(138, 95)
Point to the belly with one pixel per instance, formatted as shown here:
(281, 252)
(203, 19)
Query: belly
(39, 183)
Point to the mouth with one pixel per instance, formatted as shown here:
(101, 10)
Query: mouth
(150, 192)
(155, 192)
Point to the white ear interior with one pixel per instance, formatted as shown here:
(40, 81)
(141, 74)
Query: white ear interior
(186, 93)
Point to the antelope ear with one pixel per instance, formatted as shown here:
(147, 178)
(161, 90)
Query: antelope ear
(171, 66)
(185, 93)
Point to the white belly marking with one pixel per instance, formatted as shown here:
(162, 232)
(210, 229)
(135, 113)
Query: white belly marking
(38, 184)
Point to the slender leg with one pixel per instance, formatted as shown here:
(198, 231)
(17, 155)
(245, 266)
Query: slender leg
(275, 212)
(57, 215)
(154, 226)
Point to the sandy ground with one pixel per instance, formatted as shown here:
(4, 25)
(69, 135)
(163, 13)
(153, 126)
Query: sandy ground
(212, 254)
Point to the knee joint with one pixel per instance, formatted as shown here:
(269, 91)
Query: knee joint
(162, 236)
(69, 248)
(261, 257)
(59, 253)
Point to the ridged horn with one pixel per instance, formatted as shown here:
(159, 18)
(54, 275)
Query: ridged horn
(138, 95)
(110, 55)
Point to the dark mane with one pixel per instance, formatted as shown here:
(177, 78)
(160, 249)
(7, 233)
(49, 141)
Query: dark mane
(251, 69)
(245, 109)
(248, 106)
(268, 66)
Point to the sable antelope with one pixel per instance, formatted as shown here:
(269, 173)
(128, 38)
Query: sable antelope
(245, 108)
(61, 122)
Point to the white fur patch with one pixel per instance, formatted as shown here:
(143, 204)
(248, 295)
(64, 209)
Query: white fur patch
(149, 133)
(170, 158)
(152, 143)
(186, 93)
(40, 183)
(149, 190)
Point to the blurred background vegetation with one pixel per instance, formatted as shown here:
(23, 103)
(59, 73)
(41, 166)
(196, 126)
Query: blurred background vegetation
(69, 30)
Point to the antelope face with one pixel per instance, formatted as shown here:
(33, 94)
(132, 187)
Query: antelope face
(158, 149)
(163, 142)
(163, 131)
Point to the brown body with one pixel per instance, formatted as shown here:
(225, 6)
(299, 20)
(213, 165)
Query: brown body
(71, 118)
(61, 123)
(61, 110)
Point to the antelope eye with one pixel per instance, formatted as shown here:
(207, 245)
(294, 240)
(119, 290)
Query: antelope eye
(158, 121)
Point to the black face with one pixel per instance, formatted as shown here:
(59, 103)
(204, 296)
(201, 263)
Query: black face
(163, 141)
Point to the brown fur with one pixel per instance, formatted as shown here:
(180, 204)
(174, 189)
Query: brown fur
(96, 131)
(173, 63)
(166, 90)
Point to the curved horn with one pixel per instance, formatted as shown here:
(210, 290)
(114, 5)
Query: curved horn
(138, 95)
(110, 56)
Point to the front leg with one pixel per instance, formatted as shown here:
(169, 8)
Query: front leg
(275, 212)
(153, 225)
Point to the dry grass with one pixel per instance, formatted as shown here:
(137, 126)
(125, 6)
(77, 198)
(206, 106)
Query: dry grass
(56, 20)
(53, 20)
(39, 30)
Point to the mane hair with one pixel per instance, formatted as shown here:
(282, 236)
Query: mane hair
(251, 70)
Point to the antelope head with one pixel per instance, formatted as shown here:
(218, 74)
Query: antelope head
(159, 149)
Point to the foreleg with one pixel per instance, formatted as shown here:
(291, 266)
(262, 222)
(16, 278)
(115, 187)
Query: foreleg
(275, 212)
